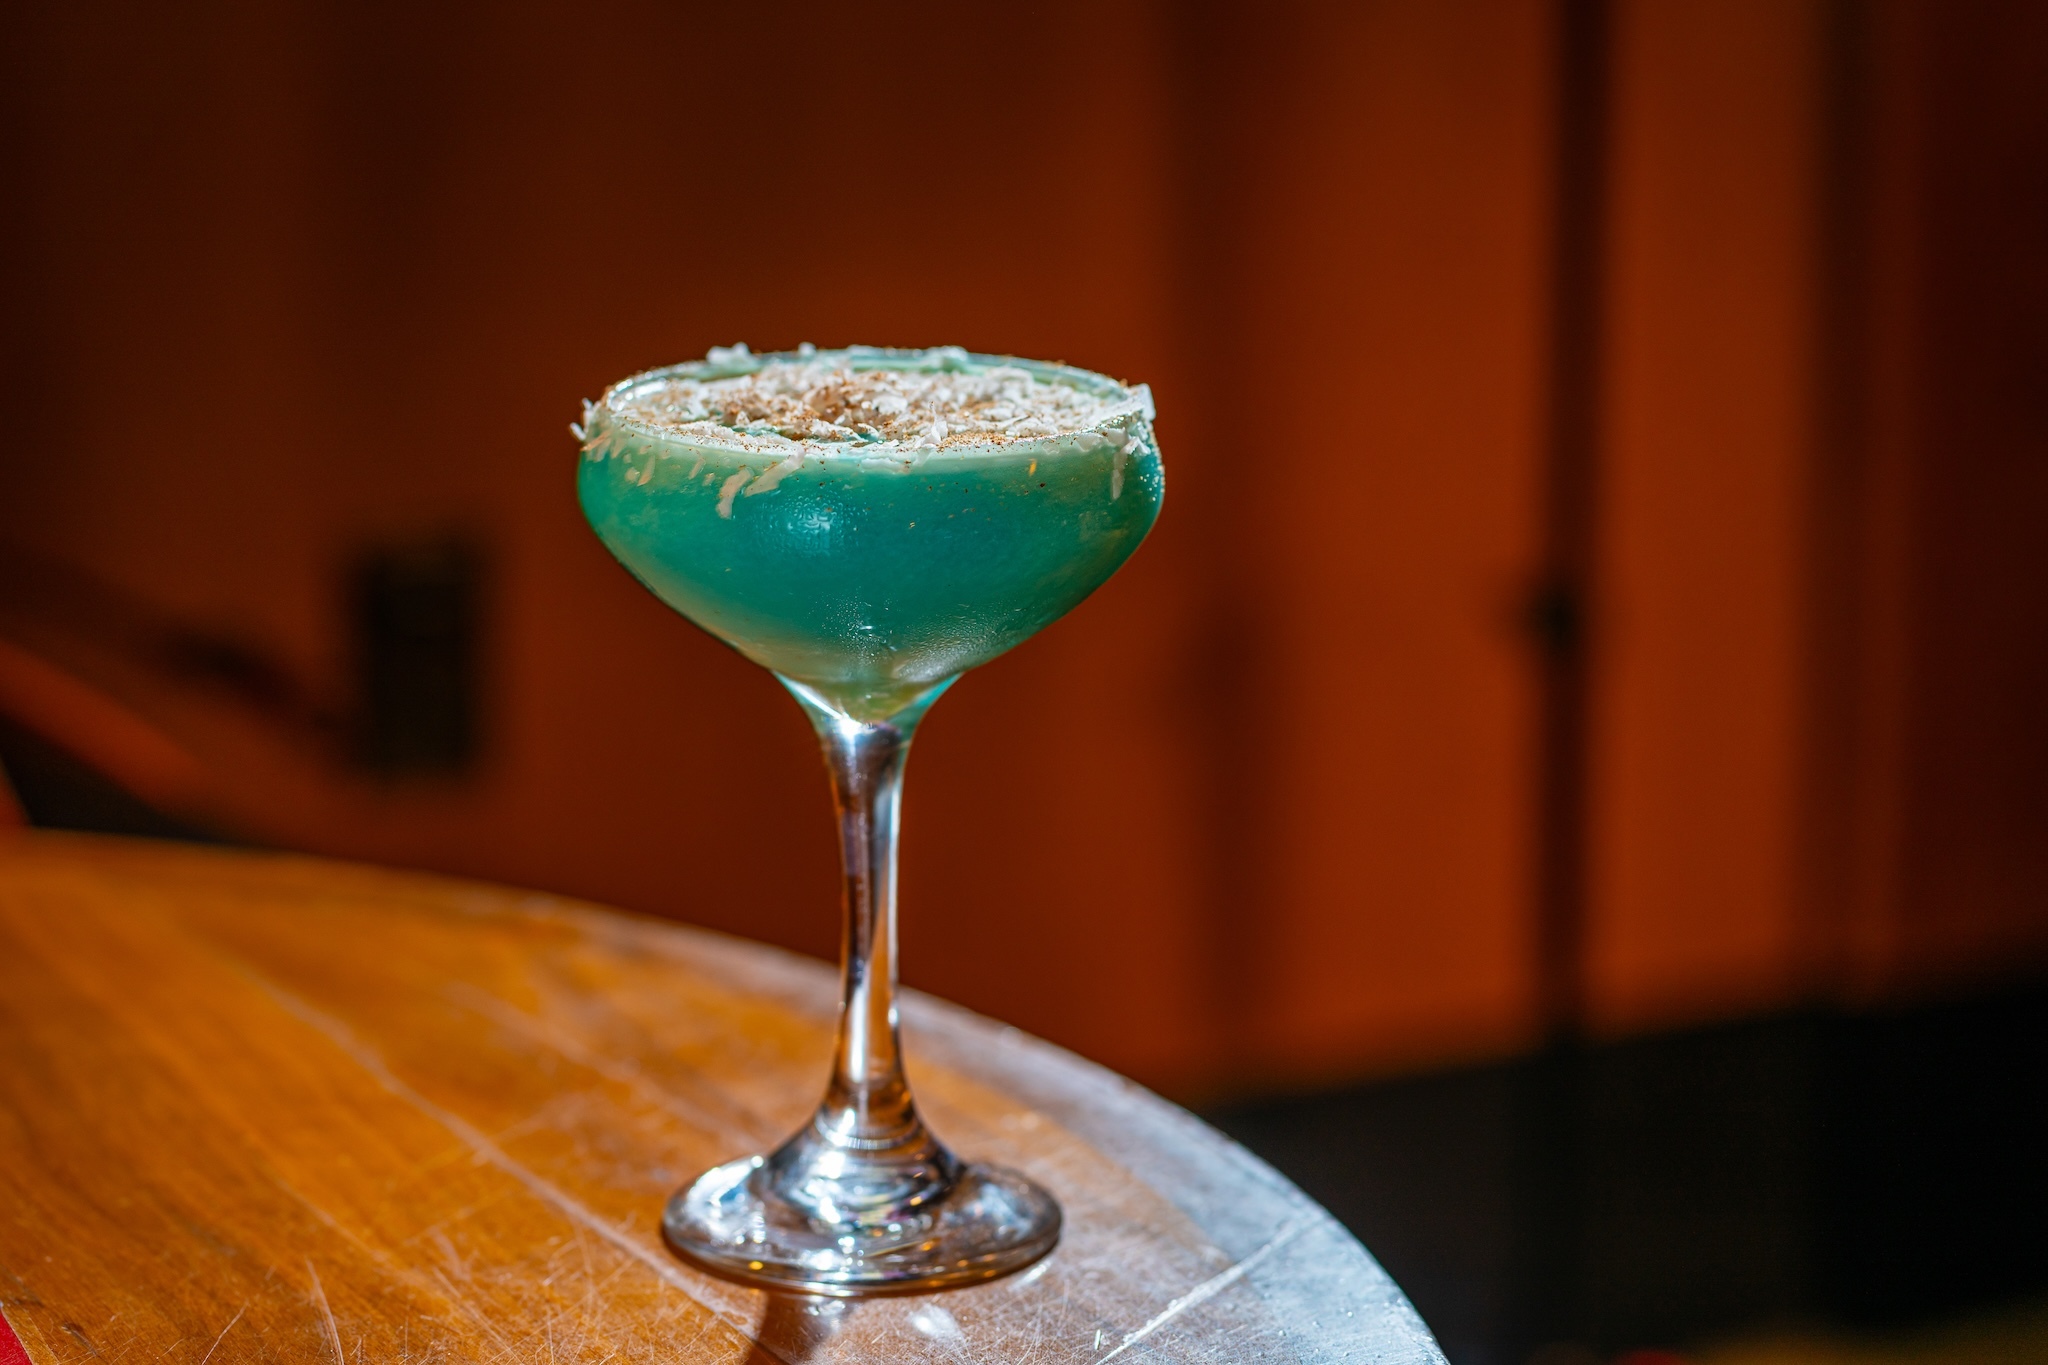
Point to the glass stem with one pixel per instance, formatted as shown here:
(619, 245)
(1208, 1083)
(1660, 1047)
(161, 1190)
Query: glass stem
(886, 1156)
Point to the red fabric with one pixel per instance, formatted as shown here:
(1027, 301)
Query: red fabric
(11, 1352)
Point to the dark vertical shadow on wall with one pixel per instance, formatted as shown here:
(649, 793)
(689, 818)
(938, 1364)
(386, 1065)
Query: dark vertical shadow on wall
(1546, 1299)
(1972, 846)
(1217, 63)
(30, 317)
(1942, 339)
(1838, 501)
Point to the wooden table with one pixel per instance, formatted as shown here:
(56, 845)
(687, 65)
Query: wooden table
(271, 1108)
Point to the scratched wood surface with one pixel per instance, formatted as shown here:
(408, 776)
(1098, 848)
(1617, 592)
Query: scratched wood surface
(270, 1108)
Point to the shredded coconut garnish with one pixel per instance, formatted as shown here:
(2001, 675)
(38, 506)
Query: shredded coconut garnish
(822, 399)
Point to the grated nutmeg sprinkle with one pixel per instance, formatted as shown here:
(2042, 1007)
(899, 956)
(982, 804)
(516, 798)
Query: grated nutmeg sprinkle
(821, 399)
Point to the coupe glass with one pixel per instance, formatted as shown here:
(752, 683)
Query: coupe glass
(867, 577)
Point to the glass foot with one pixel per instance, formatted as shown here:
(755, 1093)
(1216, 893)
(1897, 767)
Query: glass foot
(730, 1222)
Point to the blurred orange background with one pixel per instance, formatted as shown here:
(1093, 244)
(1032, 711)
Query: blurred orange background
(288, 283)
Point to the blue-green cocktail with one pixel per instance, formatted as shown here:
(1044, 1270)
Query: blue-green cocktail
(872, 556)
(868, 524)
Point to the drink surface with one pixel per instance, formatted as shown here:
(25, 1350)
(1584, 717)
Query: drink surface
(866, 557)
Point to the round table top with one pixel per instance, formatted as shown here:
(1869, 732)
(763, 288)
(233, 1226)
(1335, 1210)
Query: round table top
(267, 1107)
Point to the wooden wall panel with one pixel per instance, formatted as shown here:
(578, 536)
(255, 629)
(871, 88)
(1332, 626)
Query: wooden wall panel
(1395, 302)
(283, 283)
(1699, 670)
